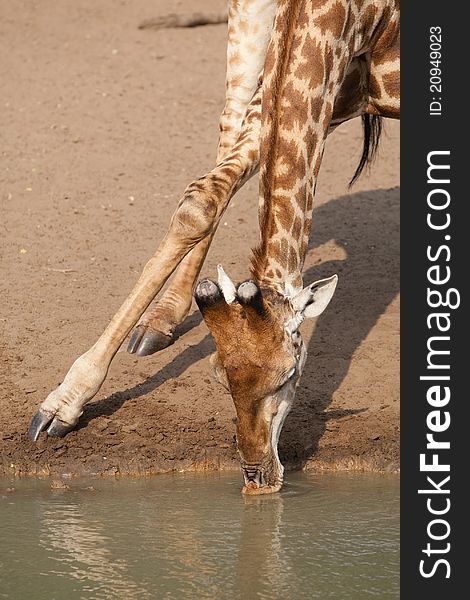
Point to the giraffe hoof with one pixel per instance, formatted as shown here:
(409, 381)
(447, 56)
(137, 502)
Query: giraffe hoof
(59, 428)
(145, 341)
(38, 423)
(42, 420)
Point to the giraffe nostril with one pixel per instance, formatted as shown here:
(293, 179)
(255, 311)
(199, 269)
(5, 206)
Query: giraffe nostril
(253, 474)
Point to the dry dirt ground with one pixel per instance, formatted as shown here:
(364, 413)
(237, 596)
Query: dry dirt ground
(102, 126)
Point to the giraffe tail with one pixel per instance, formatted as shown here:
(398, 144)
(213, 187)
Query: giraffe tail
(372, 130)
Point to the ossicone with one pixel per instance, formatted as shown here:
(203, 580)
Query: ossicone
(207, 294)
(249, 295)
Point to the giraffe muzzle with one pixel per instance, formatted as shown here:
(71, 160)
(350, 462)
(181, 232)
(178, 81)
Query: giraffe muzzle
(257, 480)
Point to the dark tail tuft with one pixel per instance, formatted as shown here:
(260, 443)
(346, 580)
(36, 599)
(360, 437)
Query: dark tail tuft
(372, 129)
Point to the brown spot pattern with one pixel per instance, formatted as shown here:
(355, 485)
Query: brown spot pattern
(392, 84)
(333, 21)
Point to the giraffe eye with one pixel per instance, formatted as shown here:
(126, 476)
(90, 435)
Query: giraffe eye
(291, 373)
(286, 378)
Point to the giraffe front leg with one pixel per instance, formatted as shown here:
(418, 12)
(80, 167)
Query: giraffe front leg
(195, 220)
(156, 329)
(249, 29)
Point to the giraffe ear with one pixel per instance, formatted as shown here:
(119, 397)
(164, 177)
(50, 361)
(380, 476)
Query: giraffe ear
(208, 295)
(314, 298)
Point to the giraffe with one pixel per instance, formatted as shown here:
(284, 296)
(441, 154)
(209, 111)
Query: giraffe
(326, 62)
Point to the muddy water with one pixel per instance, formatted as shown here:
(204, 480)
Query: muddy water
(195, 536)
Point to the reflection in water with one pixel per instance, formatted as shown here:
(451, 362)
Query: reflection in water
(260, 548)
(83, 550)
(194, 536)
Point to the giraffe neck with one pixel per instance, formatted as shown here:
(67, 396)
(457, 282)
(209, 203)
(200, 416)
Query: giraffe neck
(312, 48)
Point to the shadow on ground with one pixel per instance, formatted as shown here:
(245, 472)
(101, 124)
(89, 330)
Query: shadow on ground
(366, 226)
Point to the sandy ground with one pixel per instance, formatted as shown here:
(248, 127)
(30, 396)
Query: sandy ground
(102, 126)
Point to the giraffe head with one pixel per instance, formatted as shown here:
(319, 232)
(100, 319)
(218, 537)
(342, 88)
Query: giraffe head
(259, 359)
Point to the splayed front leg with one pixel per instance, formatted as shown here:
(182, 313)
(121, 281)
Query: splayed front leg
(63, 407)
(195, 220)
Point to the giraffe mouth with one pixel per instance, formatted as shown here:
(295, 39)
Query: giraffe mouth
(260, 480)
(251, 489)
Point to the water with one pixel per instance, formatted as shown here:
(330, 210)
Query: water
(196, 537)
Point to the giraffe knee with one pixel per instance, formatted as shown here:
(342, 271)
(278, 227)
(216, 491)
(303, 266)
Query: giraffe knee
(196, 216)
